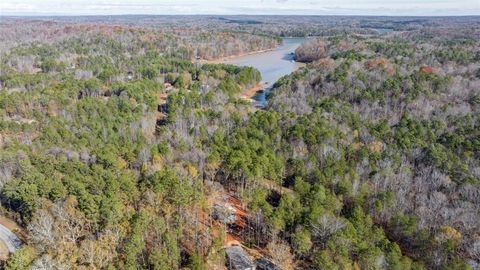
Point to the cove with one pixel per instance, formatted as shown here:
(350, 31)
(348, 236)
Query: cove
(272, 65)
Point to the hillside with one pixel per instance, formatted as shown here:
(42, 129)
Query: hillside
(120, 149)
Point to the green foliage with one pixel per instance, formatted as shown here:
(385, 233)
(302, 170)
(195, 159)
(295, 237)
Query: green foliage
(302, 241)
(196, 263)
(349, 55)
(183, 81)
(405, 224)
(21, 259)
(176, 190)
(149, 72)
(22, 196)
(455, 54)
(136, 242)
(248, 76)
(48, 65)
(229, 86)
(334, 165)
(108, 72)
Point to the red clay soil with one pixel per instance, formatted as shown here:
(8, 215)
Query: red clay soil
(240, 211)
(14, 227)
(222, 197)
(249, 93)
(232, 240)
(204, 222)
(233, 234)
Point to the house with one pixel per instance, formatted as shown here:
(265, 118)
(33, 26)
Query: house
(238, 259)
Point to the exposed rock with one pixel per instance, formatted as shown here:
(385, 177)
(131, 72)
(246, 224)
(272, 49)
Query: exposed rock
(225, 213)
(264, 264)
(238, 259)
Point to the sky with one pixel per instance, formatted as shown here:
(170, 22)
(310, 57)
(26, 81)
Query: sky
(230, 7)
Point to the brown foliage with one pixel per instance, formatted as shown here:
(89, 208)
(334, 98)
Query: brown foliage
(311, 50)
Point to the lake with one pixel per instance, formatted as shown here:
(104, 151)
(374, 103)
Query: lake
(272, 65)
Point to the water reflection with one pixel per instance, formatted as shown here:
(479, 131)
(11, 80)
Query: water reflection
(272, 65)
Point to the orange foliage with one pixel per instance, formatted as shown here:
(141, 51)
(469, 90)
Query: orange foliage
(325, 62)
(382, 63)
(427, 69)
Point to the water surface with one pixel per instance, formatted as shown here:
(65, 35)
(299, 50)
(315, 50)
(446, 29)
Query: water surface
(272, 65)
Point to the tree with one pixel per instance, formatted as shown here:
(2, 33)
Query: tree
(48, 65)
(149, 72)
(302, 241)
(21, 259)
(311, 50)
(195, 262)
(281, 255)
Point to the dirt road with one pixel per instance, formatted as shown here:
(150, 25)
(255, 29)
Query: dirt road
(11, 241)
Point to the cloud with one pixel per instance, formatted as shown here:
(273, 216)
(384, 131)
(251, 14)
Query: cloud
(268, 7)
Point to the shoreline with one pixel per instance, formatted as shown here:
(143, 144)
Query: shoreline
(231, 57)
(252, 91)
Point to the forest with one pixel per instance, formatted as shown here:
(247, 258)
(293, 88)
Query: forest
(121, 142)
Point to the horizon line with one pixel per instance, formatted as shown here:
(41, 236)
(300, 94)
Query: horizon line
(226, 14)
